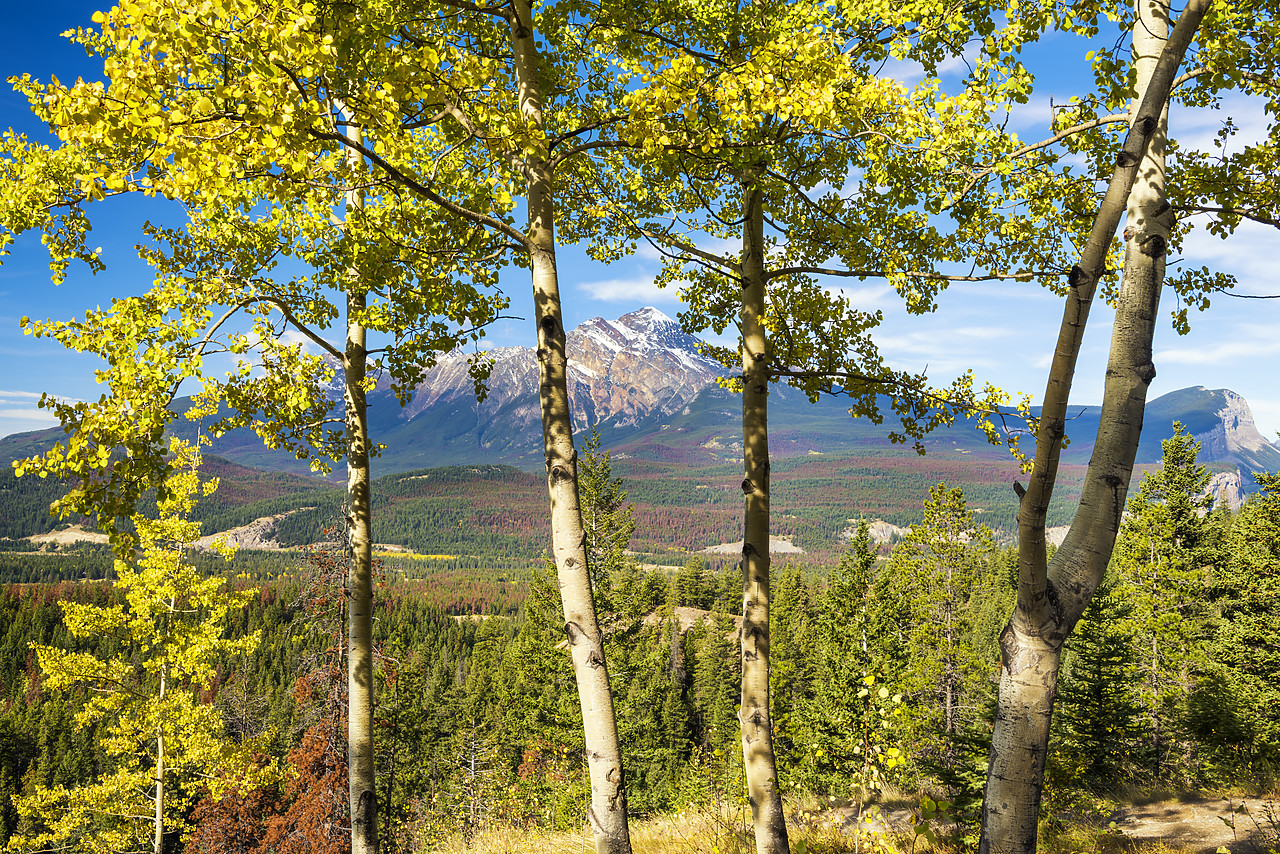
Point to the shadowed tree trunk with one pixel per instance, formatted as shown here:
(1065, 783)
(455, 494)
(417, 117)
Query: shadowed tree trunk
(364, 804)
(608, 811)
(1052, 596)
(753, 712)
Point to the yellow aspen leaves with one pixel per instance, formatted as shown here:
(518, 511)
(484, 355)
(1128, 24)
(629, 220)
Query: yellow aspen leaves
(169, 622)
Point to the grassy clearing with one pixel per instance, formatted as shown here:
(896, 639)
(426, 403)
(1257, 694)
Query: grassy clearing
(725, 831)
(1145, 822)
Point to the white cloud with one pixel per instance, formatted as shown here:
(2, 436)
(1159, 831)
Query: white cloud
(19, 395)
(22, 419)
(906, 72)
(638, 289)
(1249, 343)
(28, 414)
(870, 296)
(294, 337)
(729, 247)
(1249, 254)
(959, 66)
(1266, 412)
(646, 251)
(985, 333)
(1198, 128)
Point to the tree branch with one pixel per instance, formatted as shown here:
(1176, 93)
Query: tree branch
(424, 191)
(1243, 213)
(883, 274)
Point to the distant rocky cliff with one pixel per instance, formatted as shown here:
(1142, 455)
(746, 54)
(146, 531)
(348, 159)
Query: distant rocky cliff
(1235, 435)
(1221, 421)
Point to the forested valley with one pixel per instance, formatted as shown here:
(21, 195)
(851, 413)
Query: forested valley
(328, 200)
(882, 684)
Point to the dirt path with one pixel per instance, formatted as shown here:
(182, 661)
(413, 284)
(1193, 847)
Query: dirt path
(1191, 825)
(1197, 824)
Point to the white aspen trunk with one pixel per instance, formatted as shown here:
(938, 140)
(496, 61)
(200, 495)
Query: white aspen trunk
(1148, 222)
(757, 726)
(1052, 597)
(608, 811)
(360, 768)
(157, 843)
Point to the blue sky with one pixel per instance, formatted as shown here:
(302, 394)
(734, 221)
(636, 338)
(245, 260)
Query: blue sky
(1004, 332)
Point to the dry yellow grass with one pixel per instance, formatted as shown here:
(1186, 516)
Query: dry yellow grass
(706, 832)
(816, 828)
(693, 833)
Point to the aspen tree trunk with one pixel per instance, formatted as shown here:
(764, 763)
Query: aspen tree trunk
(753, 713)
(361, 788)
(1052, 597)
(608, 811)
(157, 843)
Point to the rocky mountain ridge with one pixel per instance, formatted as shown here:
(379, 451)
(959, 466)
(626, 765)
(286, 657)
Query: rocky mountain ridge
(1236, 433)
(641, 379)
(620, 371)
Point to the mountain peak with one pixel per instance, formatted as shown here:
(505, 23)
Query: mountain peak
(624, 371)
(1219, 419)
(645, 318)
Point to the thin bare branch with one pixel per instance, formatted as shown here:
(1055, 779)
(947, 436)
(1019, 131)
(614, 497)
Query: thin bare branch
(1023, 275)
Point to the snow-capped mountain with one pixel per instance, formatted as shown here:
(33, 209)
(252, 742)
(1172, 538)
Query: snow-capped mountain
(621, 372)
(624, 370)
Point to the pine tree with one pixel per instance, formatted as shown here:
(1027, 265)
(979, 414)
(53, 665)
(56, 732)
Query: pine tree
(715, 684)
(1160, 558)
(607, 519)
(691, 587)
(1236, 709)
(792, 671)
(1098, 715)
(848, 725)
(930, 580)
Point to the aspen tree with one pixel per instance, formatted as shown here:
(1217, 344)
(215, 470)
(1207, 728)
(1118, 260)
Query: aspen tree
(163, 743)
(195, 111)
(757, 106)
(1052, 595)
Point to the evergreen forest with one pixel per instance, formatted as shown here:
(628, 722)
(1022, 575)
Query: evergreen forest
(882, 681)
(329, 201)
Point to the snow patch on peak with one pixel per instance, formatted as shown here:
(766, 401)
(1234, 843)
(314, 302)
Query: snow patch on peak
(645, 318)
(629, 333)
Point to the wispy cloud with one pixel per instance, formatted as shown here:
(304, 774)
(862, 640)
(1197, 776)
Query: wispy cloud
(1250, 342)
(870, 296)
(1248, 253)
(1266, 412)
(294, 337)
(36, 416)
(18, 415)
(638, 288)
(18, 412)
(1197, 128)
(646, 251)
